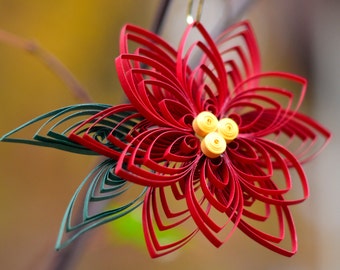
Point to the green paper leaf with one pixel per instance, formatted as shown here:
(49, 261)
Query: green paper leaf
(54, 127)
(88, 206)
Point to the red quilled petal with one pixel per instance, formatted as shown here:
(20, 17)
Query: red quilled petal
(238, 49)
(201, 206)
(109, 131)
(288, 177)
(269, 240)
(264, 107)
(158, 216)
(158, 157)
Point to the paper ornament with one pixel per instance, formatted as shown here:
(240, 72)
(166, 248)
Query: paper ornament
(207, 139)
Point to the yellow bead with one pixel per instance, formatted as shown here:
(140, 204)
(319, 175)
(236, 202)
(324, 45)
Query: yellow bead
(228, 128)
(204, 123)
(213, 145)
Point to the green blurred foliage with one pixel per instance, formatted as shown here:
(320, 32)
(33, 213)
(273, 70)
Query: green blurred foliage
(128, 230)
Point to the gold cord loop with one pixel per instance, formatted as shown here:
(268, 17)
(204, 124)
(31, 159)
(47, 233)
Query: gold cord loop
(190, 17)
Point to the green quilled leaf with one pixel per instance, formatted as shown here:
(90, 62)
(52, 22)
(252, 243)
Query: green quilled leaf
(100, 189)
(54, 127)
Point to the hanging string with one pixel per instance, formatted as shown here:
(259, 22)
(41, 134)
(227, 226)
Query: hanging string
(160, 16)
(190, 17)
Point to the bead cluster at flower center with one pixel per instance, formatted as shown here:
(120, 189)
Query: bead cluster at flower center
(214, 133)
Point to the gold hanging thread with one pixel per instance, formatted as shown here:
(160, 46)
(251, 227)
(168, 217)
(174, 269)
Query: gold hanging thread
(190, 17)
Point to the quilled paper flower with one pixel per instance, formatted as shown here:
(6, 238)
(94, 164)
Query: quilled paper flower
(208, 140)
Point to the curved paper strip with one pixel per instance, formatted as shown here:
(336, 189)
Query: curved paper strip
(240, 54)
(147, 74)
(99, 188)
(159, 157)
(237, 204)
(155, 71)
(146, 155)
(158, 215)
(264, 107)
(286, 229)
(207, 203)
(53, 128)
(110, 131)
(260, 163)
(283, 161)
(303, 137)
(206, 86)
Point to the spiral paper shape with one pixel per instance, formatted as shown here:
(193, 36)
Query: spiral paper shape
(228, 128)
(204, 123)
(213, 145)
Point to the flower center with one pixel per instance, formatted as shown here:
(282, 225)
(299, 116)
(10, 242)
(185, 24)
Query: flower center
(214, 133)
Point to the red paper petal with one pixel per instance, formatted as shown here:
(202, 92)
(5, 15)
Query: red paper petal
(275, 242)
(156, 71)
(148, 75)
(109, 131)
(238, 49)
(287, 164)
(266, 169)
(158, 157)
(261, 107)
(204, 199)
(158, 216)
(303, 137)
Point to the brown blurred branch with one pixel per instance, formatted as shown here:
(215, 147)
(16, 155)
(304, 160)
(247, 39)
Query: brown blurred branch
(49, 60)
(160, 16)
(64, 259)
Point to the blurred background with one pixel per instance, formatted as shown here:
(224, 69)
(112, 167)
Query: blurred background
(36, 184)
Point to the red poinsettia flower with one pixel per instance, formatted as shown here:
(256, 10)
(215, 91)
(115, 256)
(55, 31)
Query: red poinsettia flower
(218, 143)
